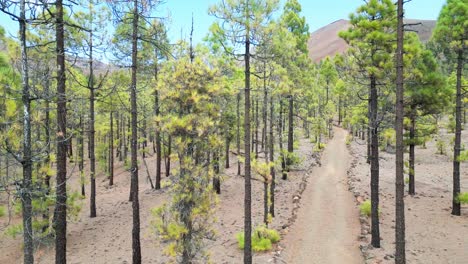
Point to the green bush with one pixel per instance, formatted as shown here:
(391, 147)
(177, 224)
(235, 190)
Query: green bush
(463, 198)
(441, 145)
(366, 208)
(262, 239)
(2, 210)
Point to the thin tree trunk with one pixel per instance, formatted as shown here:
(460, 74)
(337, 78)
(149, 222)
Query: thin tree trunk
(456, 209)
(228, 144)
(238, 135)
(168, 155)
(158, 132)
(26, 199)
(61, 187)
(412, 135)
(92, 142)
(280, 137)
(216, 180)
(136, 249)
(111, 150)
(290, 131)
(272, 159)
(400, 257)
(374, 164)
(81, 155)
(247, 182)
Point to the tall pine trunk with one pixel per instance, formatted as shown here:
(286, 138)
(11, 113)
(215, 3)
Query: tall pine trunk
(136, 249)
(61, 187)
(27, 157)
(238, 141)
(92, 132)
(412, 137)
(290, 131)
(374, 164)
(456, 210)
(400, 257)
(247, 183)
(111, 149)
(272, 159)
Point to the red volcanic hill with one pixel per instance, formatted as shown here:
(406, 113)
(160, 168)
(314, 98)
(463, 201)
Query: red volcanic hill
(326, 42)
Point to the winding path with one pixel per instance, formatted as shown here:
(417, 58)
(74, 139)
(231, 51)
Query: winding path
(327, 226)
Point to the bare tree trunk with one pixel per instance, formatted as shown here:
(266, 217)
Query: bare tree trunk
(168, 155)
(280, 137)
(81, 155)
(26, 200)
(136, 249)
(247, 183)
(374, 164)
(400, 257)
(158, 132)
(228, 144)
(111, 150)
(61, 187)
(272, 159)
(412, 135)
(238, 134)
(290, 131)
(92, 132)
(456, 209)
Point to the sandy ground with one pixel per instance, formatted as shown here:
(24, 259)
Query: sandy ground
(327, 227)
(107, 238)
(433, 235)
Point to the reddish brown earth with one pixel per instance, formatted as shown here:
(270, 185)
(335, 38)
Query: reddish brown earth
(433, 235)
(107, 238)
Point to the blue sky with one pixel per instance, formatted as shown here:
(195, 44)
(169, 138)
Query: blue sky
(318, 13)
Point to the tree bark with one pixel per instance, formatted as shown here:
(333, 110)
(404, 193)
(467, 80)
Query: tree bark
(26, 199)
(272, 159)
(456, 209)
(111, 150)
(247, 182)
(400, 257)
(412, 136)
(290, 131)
(280, 138)
(81, 155)
(61, 187)
(374, 164)
(92, 132)
(238, 134)
(228, 144)
(136, 249)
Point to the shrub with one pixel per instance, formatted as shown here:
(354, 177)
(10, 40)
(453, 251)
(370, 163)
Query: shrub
(262, 238)
(366, 208)
(463, 198)
(440, 144)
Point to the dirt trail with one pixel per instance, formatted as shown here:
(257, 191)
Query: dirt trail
(327, 226)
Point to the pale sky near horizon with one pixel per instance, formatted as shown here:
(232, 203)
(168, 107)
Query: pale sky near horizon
(318, 13)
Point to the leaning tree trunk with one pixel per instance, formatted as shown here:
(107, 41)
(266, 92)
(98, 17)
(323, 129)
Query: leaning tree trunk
(27, 152)
(374, 164)
(400, 257)
(61, 187)
(456, 209)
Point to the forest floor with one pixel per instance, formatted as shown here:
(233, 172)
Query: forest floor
(107, 238)
(327, 225)
(433, 235)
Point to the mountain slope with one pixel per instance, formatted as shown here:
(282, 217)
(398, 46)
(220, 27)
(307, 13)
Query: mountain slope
(325, 41)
